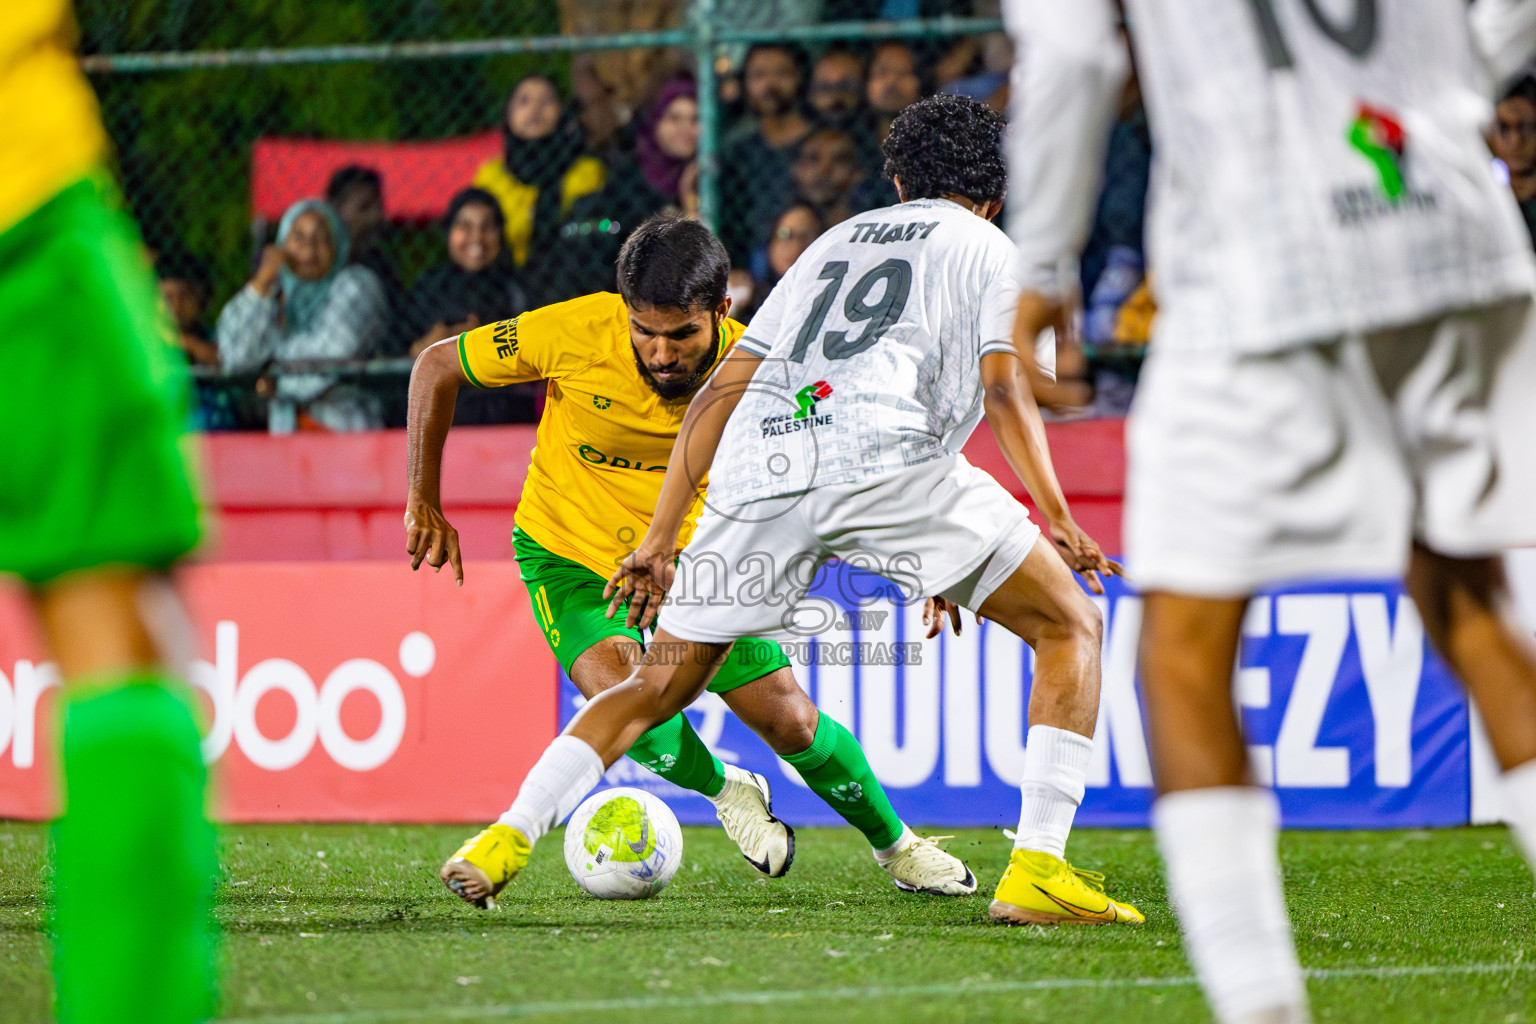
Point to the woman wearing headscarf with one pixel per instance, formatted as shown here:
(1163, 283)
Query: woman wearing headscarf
(662, 174)
(794, 230)
(306, 302)
(668, 137)
(475, 286)
(541, 172)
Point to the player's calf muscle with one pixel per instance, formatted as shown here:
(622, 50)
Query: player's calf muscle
(1188, 646)
(1468, 613)
(777, 710)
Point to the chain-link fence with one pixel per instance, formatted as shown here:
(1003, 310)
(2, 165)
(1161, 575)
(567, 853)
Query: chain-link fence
(329, 188)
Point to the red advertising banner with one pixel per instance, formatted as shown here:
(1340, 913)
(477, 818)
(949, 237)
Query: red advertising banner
(332, 692)
(422, 176)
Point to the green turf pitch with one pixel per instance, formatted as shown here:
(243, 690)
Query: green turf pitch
(348, 924)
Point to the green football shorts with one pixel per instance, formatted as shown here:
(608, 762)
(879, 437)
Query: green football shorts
(94, 465)
(569, 606)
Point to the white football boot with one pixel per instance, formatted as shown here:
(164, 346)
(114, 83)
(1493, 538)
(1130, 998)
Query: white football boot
(745, 808)
(922, 865)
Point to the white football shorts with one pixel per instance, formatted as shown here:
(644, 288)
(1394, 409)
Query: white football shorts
(942, 527)
(1330, 459)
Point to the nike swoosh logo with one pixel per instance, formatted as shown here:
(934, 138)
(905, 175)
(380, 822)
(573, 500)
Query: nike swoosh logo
(645, 829)
(1107, 914)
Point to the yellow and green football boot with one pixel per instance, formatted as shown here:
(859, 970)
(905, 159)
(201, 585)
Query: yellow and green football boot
(1038, 888)
(484, 865)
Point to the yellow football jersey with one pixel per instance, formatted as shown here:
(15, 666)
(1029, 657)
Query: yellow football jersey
(52, 135)
(606, 437)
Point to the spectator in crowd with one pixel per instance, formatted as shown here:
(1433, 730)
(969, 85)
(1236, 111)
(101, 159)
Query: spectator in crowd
(476, 286)
(1514, 143)
(775, 16)
(613, 85)
(1113, 260)
(836, 97)
(755, 160)
(306, 302)
(893, 84)
(688, 202)
(744, 292)
(666, 148)
(540, 174)
(837, 86)
(772, 78)
(668, 139)
(826, 173)
(793, 232)
(1117, 300)
(356, 193)
(184, 288)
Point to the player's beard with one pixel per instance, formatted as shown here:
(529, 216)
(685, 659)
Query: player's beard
(774, 104)
(686, 386)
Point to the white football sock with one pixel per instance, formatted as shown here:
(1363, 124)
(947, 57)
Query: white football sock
(1221, 848)
(1055, 775)
(1520, 803)
(561, 778)
(906, 839)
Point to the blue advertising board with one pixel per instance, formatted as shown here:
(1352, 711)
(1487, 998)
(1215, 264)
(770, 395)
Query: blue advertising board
(1348, 712)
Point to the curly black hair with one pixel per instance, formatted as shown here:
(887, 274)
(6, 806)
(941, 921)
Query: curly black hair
(947, 145)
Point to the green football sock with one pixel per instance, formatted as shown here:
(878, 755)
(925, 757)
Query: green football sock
(134, 860)
(675, 752)
(836, 770)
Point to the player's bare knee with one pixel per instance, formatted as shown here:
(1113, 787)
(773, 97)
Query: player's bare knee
(793, 732)
(1080, 621)
(606, 664)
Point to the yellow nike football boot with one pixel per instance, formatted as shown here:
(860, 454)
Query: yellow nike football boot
(1038, 888)
(484, 865)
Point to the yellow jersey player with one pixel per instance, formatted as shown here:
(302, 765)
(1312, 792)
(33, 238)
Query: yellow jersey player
(96, 502)
(621, 371)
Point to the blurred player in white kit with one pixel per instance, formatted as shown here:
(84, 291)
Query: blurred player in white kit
(1341, 380)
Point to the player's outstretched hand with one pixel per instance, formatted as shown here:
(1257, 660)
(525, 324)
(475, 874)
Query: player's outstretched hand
(934, 610)
(429, 538)
(642, 579)
(1081, 553)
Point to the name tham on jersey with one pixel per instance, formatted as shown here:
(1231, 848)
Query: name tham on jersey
(882, 233)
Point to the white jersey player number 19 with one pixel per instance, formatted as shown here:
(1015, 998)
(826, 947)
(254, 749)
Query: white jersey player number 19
(897, 277)
(1357, 34)
(872, 346)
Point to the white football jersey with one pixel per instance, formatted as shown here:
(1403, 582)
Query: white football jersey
(1319, 165)
(871, 349)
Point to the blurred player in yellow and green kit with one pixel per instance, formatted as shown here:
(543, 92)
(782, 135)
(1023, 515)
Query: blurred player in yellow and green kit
(96, 503)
